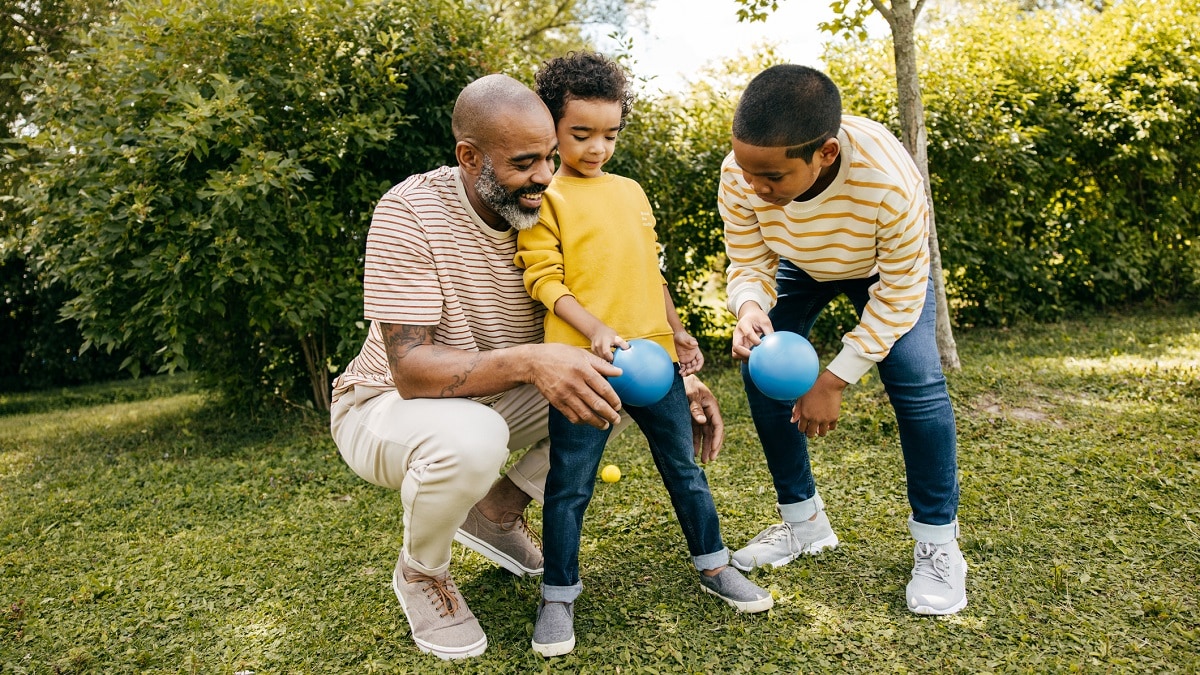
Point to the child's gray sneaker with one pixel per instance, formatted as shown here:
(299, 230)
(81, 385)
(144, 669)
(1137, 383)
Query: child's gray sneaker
(939, 579)
(783, 542)
(730, 586)
(554, 632)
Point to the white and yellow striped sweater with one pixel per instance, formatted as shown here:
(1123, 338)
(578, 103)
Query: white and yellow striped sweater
(872, 218)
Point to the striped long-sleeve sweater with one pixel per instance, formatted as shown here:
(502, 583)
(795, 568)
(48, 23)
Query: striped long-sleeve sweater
(873, 218)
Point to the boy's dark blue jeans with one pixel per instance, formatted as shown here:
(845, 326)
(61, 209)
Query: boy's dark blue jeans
(575, 451)
(912, 377)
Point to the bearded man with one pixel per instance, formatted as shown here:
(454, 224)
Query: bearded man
(453, 374)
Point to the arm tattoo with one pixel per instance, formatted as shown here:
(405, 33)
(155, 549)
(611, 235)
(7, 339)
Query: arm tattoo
(400, 340)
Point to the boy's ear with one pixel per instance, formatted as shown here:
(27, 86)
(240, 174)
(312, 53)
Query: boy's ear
(828, 153)
(469, 157)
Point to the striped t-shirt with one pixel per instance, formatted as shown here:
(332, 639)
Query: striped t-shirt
(431, 261)
(872, 218)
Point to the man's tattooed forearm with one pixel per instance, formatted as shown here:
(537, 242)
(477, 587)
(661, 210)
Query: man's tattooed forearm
(400, 339)
(460, 380)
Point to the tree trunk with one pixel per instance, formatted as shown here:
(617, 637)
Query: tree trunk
(902, 17)
(313, 348)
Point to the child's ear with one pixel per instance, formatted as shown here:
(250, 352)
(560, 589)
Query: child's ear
(829, 152)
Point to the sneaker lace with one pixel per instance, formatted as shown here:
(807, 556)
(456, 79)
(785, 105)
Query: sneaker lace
(777, 532)
(518, 523)
(440, 591)
(931, 562)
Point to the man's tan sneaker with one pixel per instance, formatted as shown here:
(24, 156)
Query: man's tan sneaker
(440, 620)
(509, 544)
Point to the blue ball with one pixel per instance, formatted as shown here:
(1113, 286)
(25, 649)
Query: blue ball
(784, 366)
(647, 373)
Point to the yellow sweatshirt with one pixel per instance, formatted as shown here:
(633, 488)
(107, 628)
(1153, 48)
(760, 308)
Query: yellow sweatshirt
(595, 240)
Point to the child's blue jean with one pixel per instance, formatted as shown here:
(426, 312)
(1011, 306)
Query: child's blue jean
(575, 451)
(912, 377)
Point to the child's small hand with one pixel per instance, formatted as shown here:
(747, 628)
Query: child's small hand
(604, 340)
(753, 323)
(691, 359)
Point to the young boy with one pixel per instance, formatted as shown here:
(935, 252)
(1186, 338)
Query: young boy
(592, 259)
(817, 205)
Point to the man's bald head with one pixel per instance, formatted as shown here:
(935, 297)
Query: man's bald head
(488, 105)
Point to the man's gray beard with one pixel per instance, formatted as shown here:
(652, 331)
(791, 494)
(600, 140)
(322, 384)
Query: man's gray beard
(506, 204)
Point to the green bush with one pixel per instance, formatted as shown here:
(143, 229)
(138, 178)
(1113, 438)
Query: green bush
(1062, 151)
(205, 173)
(201, 177)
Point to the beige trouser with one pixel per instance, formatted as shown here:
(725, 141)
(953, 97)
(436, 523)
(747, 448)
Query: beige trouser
(443, 454)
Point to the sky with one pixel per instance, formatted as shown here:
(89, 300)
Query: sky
(685, 34)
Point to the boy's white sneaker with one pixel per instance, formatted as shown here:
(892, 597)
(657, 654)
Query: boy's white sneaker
(783, 542)
(939, 579)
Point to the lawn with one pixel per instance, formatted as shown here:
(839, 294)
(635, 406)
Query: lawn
(143, 529)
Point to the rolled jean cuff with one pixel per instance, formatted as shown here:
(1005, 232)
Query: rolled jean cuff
(711, 561)
(562, 593)
(802, 511)
(933, 534)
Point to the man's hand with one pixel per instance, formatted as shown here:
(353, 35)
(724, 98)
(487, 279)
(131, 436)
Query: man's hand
(708, 429)
(752, 324)
(816, 413)
(573, 381)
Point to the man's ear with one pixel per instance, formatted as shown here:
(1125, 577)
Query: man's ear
(469, 157)
(829, 152)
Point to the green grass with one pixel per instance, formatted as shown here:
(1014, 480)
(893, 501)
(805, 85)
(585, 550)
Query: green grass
(143, 530)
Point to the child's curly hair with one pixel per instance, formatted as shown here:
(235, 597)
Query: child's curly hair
(585, 76)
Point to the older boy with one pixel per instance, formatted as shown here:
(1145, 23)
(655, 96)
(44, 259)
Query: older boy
(817, 204)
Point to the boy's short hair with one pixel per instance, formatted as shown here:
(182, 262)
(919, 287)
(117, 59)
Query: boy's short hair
(790, 106)
(585, 76)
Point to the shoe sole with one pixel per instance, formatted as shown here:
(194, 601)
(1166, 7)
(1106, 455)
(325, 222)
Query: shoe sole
(555, 648)
(925, 610)
(827, 544)
(751, 607)
(488, 551)
(445, 653)
(934, 611)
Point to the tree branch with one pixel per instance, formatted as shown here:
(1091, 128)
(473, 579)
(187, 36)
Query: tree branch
(49, 32)
(884, 10)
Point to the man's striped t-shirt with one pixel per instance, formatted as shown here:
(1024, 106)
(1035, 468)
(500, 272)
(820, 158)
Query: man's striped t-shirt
(431, 261)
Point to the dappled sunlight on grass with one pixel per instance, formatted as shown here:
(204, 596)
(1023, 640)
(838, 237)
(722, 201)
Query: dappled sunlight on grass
(166, 535)
(1186, 362)
(965, 620)
(825, 619)
(13, 462)
(94, 422)
(251, 636)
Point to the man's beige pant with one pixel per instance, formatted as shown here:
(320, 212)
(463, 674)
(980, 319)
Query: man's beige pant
(443, 454)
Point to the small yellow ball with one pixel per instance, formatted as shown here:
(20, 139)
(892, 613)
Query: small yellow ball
(610, 474)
